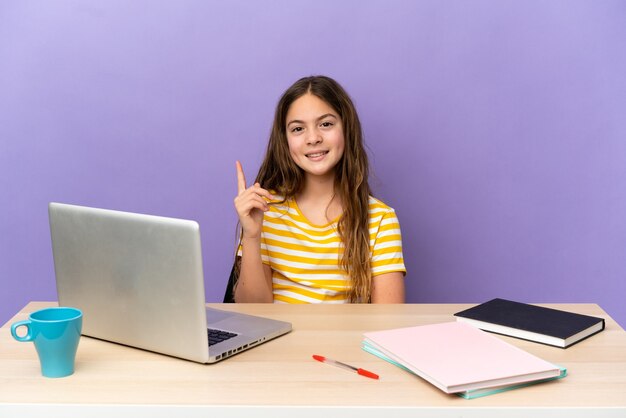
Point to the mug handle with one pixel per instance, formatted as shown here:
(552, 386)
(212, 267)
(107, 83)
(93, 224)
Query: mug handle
(27, 337)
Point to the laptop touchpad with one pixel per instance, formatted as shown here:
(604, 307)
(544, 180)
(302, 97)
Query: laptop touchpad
(214, 315)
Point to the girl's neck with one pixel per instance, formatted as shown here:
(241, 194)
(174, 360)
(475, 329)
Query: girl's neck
(318, 201)
(317, 188)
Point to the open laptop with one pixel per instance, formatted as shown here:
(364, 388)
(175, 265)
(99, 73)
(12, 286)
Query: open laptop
(138, 280)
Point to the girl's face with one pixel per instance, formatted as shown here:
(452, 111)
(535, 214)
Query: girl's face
(314, 135)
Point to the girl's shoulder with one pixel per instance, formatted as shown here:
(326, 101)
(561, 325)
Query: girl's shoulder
(280, 204)
(381, 213)
(378, 205)
(278, 198)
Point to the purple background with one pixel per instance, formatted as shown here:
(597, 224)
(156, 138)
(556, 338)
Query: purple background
(497, 129)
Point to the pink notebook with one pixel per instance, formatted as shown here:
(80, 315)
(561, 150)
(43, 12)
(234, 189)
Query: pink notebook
(458, 357)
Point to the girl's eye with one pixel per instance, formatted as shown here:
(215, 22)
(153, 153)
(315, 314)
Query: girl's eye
(327, 124)
(297, 129)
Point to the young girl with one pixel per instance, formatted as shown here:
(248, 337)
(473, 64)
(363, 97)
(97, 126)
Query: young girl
(311, 231)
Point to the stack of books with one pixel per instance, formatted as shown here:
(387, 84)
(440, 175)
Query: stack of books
(460, 359)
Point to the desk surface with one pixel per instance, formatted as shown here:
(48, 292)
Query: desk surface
(281, 372)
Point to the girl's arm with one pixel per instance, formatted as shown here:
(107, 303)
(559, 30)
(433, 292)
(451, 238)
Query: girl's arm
(388, 288)
(255, 278)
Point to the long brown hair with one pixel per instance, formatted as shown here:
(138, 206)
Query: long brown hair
(280, 173)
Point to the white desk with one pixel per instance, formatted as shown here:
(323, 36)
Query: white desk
(280, 379)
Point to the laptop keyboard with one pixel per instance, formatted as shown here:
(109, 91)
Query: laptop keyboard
(217, 336)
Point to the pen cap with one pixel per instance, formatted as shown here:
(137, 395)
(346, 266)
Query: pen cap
(366, 373)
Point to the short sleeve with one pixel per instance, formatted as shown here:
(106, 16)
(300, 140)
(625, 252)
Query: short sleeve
(387, 249)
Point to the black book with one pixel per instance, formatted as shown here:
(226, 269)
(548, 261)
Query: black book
(531, 322)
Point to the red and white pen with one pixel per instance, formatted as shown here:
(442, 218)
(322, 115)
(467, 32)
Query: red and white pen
(358, 370)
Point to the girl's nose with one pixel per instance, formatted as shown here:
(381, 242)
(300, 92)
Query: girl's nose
(314, 139)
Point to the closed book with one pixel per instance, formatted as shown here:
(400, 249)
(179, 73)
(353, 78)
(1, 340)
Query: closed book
(530, 322)
(457, 357)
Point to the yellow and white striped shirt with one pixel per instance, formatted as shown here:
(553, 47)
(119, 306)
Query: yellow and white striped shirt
(305, 258)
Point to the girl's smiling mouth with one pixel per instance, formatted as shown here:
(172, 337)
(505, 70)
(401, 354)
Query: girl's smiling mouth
(316, 154)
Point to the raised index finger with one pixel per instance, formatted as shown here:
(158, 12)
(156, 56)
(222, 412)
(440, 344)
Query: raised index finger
(241, 178)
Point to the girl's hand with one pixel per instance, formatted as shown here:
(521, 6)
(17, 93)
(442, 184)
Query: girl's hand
(250, 205)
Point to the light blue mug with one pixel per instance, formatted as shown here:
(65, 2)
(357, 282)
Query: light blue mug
(56, 333)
